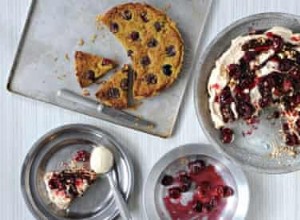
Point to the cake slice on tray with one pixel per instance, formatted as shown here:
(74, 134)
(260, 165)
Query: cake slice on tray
(114, 92)
(89, 67)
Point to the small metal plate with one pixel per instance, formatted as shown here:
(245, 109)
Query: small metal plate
(56, 147)
(252, 151)
(177, 160)
(53, 30)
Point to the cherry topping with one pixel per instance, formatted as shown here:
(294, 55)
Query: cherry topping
(106, 62)
(73, 191)
(287, 85)
(226, 135)
(228, 191)
(219, 190)
(158, 26)
(184, 177)
(234, 71)
(82, 156)
(144, 17)
(114, 27)
(298, 124)
(277, 43)
(152, 43)
(127, 15)
(167, 180)
(226, 97)
(174, 192)
(207, 207)
(249, 56)
(145, 61)
(184, 187)
(113, 93)
(90, 74)
(124, 84)
(213, 202)
(129, 53)
(134, 35)
(53, 184)
(285, 65)
(197, 207)
(151, 78)
(171, 51)
(265, 101)
(245, 109)
(291, 139)
(167, 69)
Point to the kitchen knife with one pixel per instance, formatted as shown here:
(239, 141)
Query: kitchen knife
(122, 116)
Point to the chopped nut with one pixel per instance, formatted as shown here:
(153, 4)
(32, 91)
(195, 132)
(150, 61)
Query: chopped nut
(81, 42)
(93, 38)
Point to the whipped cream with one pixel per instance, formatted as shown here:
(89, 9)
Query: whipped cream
(101, 160)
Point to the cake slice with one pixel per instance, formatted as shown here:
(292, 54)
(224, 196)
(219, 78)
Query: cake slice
(91, 67)
(114, 92)
(63, 187)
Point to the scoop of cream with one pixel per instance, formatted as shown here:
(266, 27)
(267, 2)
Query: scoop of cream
(101, 160)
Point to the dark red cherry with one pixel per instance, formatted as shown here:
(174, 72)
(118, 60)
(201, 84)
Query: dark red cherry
(114, 27)
(167, 180)
(174, 192)
(197, 207)
(228, 191)
(226, 135)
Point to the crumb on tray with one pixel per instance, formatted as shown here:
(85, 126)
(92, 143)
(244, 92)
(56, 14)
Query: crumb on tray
(81, 42)
(67, 57)
(86, 92)
(93, 38)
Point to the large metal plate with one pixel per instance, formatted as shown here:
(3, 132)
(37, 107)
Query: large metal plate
(252, 151)
(54, 28)
(56, 147)
(177, 160)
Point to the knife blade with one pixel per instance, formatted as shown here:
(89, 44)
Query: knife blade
(122, 116)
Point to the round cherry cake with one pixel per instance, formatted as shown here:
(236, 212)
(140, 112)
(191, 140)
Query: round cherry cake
(258, 71)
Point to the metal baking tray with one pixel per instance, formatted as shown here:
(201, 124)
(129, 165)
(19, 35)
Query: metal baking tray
(44, 64)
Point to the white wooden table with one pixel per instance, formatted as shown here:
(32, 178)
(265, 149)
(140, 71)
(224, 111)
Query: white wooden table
(22, 121)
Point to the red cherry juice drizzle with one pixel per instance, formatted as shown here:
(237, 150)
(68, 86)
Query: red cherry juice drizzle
(206, 183)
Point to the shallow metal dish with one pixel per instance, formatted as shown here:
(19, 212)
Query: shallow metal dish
(252, 151)
(56, 147)
(175, 161)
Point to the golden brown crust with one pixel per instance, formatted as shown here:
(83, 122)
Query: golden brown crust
(91, 67)
(154, 43)
(114, 92)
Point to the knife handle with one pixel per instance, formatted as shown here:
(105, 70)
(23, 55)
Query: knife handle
(73, 97)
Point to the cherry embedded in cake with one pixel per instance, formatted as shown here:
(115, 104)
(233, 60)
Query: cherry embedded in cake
(64, 186)
(258, 71)
(199, 192)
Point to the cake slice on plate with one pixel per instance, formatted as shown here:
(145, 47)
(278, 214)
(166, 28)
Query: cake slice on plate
(91, 67)
(64, 186)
